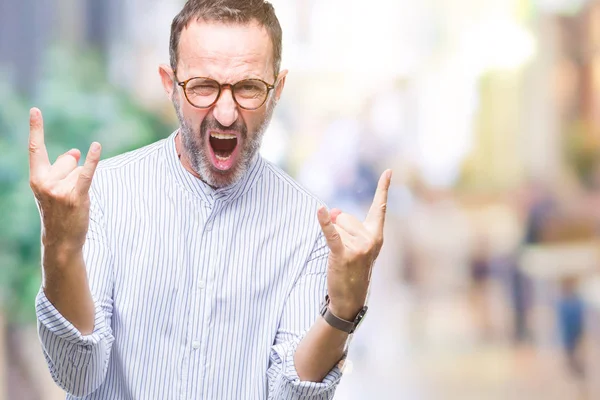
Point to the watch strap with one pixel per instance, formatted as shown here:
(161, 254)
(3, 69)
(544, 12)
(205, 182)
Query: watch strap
(339, 323)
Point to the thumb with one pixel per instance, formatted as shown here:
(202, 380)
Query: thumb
(334, 241)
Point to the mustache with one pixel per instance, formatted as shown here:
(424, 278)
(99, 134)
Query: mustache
(211, 123)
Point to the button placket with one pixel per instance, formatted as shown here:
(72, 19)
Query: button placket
(212, 237)
(198, 328)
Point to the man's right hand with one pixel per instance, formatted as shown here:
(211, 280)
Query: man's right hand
(61, 189)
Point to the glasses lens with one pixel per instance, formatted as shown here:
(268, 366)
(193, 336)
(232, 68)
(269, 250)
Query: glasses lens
(251, 93)
(202, 92)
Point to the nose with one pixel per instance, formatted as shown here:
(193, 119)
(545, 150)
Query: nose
(225, 110)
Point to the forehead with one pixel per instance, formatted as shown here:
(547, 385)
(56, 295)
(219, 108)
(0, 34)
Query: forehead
(224, 51)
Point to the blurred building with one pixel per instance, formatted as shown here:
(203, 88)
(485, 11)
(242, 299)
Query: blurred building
(29, 27)
(118, 30)
(576, 79)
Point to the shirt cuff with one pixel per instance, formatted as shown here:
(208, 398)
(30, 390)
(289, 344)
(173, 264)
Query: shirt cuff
(290, 385)
(77, 362)
(59, 326)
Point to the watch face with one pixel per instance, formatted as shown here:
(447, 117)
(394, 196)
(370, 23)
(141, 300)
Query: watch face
(360, 317)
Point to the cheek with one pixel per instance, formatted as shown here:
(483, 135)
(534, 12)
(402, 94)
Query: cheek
(193, 116)
(253, 119)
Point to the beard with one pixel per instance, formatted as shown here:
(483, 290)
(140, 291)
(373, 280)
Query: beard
(195, 141)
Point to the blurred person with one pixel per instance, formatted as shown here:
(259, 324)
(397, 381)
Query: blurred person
(539, 207)
(192, 267)
(570, 311)
(480, 268)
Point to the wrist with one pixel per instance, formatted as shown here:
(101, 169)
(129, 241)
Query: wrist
(61, 254)
(62, 242)
(344, 319)
(345, 311)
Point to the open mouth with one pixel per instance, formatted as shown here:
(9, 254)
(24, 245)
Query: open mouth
(224, 150)
(223, 145)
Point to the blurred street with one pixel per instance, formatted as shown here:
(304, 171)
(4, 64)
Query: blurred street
(433, 350)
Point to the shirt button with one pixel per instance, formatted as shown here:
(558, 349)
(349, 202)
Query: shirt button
(195, 345)
(201, 285)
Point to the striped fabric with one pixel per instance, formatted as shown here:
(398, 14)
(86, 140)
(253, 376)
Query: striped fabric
(199, 293)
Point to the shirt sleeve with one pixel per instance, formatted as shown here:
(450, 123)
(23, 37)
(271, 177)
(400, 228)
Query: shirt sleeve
(300, 311)
(78, 363)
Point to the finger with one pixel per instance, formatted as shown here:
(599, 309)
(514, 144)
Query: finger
(75, 153)
(89, 168)
(64, 164)
(355, 243)
(73, 177)
(351, 225)
(334, 241)
(376, 215)
(334, 214)
(38, 155)
(348, 240)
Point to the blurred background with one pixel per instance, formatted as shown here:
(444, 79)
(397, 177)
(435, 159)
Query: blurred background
(488, 286)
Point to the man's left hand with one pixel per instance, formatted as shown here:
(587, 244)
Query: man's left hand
(354, 247)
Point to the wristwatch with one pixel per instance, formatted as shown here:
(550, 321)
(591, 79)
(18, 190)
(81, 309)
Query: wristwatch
(341, 324)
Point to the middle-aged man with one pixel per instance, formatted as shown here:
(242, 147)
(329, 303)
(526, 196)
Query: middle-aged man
(192, 268)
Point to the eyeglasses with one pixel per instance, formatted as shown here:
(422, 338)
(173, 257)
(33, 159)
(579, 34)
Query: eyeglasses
(249, 94)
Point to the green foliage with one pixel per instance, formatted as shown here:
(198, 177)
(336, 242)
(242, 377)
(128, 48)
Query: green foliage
(79, 107)
(582, 149)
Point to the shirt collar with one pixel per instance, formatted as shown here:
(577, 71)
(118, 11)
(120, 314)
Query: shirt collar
(202, 190)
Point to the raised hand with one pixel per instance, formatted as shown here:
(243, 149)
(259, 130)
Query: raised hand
(61, 189)
(354, 247)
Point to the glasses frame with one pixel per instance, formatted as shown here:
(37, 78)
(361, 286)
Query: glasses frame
(184, 84)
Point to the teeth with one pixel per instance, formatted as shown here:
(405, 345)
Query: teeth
(222, 158)
(217, 135)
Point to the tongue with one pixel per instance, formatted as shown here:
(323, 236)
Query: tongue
(223, 147)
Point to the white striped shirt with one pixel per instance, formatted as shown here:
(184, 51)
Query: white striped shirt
(199, 293)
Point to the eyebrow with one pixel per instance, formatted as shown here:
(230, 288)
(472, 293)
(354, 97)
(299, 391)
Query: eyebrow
(232, 82)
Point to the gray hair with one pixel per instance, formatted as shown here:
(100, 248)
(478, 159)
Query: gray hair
(231, 12)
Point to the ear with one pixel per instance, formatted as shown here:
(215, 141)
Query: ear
(281, 78)
(167, 77)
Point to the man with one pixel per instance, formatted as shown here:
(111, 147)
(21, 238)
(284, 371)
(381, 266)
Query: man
(192, 268)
